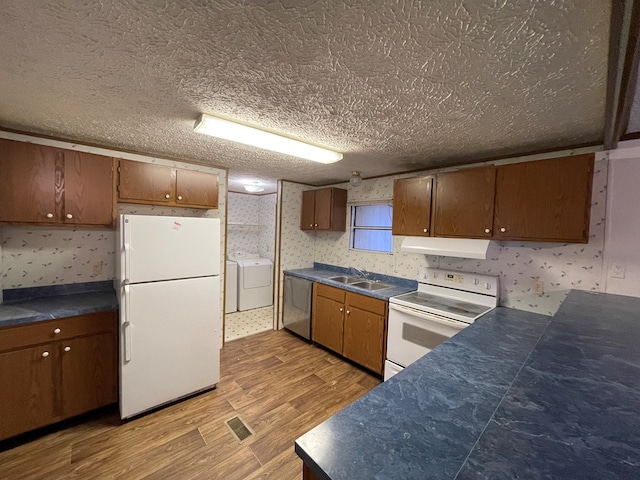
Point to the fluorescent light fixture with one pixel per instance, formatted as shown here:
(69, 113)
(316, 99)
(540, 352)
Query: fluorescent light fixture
(236, 132)
(253, 187)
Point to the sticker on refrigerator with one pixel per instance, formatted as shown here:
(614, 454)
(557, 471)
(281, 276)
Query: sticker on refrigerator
(177, 225)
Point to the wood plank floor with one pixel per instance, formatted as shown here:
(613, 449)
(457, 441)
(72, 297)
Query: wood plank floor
(279, 385)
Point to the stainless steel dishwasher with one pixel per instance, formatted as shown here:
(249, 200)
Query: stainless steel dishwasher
(297, 305)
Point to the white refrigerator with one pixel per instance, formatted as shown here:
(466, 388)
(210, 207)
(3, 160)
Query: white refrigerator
(168, 282)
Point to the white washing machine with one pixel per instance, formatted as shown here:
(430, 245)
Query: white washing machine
(231, 288)
(255, 283)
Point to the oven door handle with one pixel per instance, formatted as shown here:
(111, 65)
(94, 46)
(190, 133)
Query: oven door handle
(429, 316)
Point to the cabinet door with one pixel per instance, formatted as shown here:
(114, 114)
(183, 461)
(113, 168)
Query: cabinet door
(327, 326)
(196, 188)
(323, 209)
(412, 206)
(464, 203)
(28, 394)
(145, 182)
(307, 217)
(546, 200)
(88, 197)
(364, 338)
(88, 373)
(30, 180)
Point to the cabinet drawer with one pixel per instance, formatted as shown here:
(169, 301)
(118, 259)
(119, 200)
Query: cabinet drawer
(370, 304)
(333, 293)
(21, 336)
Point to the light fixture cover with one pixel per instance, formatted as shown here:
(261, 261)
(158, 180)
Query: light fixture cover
(236, 132)
(253, 188)
(356, 179)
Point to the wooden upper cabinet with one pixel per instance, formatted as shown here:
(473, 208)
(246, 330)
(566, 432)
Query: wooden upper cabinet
(545, 200)
(28, 182)
(47, 185)
(89, 196)
(152, 184)
(307, 215)
(324, 209)
(145, 182)
(464, 203)
(196, 188)
(412, 206)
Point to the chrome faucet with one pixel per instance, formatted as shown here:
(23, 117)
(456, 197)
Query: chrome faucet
(363, 273)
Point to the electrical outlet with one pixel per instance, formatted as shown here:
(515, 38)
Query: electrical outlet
(538, 287)
(617, 270)
(97, 268)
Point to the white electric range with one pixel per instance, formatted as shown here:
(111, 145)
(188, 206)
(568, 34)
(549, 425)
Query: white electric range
(445, 303)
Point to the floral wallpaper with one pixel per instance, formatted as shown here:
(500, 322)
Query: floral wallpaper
(560, 266)
(251, 224)
(33, 256)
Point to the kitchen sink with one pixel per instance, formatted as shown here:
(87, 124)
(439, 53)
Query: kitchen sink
(366, 285)
(345, 279)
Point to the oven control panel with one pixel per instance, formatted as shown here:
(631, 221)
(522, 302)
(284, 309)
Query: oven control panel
(469, 282)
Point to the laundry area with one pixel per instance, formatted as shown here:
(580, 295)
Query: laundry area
(249, 269)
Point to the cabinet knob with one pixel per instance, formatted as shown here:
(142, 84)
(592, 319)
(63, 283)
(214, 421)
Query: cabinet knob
(56, 331)
(316, 225)
(67, 349)
(341, 309)
(45, 354)
(348, 312)
(167, 196)
(179, 197)
(49, 215)
(425, 230)
(69, 216)
(311, 224)
(487, 230)
(503, 229)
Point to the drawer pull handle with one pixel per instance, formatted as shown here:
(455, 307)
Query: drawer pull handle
(67, 349)
(57, 331)
(45, 354)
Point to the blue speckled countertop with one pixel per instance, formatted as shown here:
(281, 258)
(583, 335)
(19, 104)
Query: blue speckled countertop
(515, 395)
(28, 305)
(322, 272)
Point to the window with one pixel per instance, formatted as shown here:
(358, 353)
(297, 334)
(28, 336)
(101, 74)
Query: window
(371, 227)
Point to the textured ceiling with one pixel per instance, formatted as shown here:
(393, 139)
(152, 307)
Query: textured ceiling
(396, 86)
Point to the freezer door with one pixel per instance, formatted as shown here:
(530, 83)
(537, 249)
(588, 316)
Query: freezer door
(165, 248)
(170, 339)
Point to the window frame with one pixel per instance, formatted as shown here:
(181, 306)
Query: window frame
(353, 227)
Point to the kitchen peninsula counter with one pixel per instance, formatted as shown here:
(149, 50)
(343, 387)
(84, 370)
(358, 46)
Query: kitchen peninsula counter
(515, 395)
(28, 305)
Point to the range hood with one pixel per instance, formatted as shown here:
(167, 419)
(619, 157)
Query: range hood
(447, 247)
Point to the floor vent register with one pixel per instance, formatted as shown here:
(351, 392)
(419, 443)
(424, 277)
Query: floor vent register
(239, 429)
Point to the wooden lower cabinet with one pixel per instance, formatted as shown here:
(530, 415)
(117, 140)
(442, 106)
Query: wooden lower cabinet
(28, 389)
(364, 331)
(56, 369)
(350, 324)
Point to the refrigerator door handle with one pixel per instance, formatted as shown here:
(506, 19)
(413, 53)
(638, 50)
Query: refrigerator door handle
(126, 246)
(126, 326)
